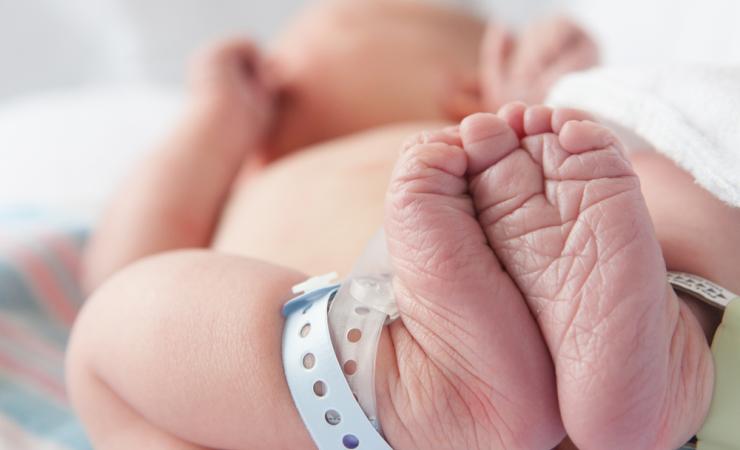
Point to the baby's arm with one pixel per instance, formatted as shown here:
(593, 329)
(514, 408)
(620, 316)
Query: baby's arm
(173, 198)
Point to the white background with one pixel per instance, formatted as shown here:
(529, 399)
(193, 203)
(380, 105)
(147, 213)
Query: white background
(86, 86)
(51, 44)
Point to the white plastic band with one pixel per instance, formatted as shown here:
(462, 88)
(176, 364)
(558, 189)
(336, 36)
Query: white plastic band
(356, 319)
(317, 383)
(701, 288)
(364, 303)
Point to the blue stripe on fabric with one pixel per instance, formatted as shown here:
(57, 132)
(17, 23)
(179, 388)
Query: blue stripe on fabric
(41, 416)
(61, 272)
(15, 293)
(80, 236)
(53, 368)
(49, 331)
(17, 298)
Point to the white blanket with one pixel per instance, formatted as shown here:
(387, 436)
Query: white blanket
(689, 113)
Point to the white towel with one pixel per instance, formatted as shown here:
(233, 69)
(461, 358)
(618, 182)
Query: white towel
(689, 113)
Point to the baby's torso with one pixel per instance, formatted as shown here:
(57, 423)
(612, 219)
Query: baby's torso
(315, 210)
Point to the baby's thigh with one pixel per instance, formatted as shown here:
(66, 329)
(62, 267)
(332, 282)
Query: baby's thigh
(190, 342)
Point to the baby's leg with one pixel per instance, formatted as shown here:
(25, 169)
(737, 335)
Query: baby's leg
(179, 352)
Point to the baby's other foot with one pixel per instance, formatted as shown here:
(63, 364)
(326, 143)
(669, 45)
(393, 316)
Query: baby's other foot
(564, 213)
(470, 368)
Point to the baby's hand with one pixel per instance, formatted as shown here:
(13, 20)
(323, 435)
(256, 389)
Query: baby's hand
(230, 87)
(525, 67)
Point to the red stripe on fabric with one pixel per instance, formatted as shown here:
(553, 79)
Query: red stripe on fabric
(69, 254)
(44, 283)
(68, 251)
(30, 340)
(31, 375)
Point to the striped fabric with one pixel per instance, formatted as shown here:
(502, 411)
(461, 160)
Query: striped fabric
(39, 298)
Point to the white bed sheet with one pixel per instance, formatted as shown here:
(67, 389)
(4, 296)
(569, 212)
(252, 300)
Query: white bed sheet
(63, 153)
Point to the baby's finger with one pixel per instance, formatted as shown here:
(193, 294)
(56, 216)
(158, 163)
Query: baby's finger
(236, 52)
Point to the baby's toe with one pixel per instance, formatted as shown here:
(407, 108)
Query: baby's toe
(537, 120)
(587, 151)
(448, 136)
(583, 136)
(487, 140)
(513, 114)
(561, 116)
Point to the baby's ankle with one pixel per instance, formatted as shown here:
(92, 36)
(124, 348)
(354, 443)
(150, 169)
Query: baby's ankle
(698, 232)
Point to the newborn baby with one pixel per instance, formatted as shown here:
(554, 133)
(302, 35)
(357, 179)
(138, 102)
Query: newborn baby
(530, 281)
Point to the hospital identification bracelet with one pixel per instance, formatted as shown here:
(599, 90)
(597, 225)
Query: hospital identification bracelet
(330, 340)
(720, 430)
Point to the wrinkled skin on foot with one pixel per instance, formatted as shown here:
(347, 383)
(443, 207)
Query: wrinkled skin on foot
(470, 369)
(562, 209)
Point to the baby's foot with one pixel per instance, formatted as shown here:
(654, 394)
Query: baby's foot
(564, 213)
(470, 368)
